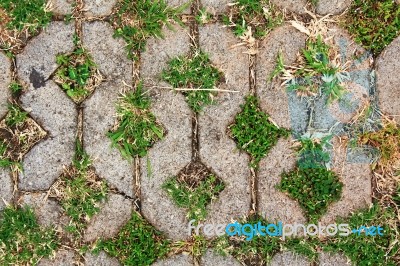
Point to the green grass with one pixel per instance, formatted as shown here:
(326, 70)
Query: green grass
(194, 199)
(15, 88)
(76, 74)
(23, 241)
(194, 72)
(26, 14)
(203, 17)
(5, 162)
(137, 129)
(262, 16)
(374, 24)
(15, 115)
(313, 188)
(312, 153)
(253, 132)
(81, 191)
(138, 243)
(137, 21)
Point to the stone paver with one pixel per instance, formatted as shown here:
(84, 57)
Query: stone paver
(61, 7)
(62, 257)
(289, 259)
(388, 80)
(5, 79)
(273, 98)
(99, 110)
(173, 153)
(113, 215)
(328, 259)
(296, 6)
(210, 258)
(216, 6)
(94, 8)
(333, 7)
(102, 259)
(356, 178)
(217, 149)
(179, 3)
(56, 113)
(6, 188)
(275, 205)
(176, 260)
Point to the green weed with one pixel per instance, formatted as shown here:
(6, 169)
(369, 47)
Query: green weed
(138, 243)
(253, 132)
(5, 162)
(196, 74)
(136, 21)
(194, 198)
(375, 24)
(137, 129)
(15, 88)
(312, 153)
(15, 115)
(23, 241)
(203, 17)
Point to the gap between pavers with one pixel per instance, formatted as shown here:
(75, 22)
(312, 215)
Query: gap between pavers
(210, 258)
(5, 80)
(62, 257)
(170, 155)
(275, 205)
(285, 109)
(388, 79)
(100, 109)
(217, 149)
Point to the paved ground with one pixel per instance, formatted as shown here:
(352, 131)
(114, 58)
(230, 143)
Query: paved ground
(246, 190)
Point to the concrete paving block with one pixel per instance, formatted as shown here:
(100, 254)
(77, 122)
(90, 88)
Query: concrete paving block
(274, 99)
(56, 113)
(176, 260)
(289, 259)
(210, 258)
(334, 7)
(61, 258)
(296, 6)
(275, 205)
(38, 60)
(61, 7)
(102, 259)
(98, 8)
(356, 178)
(217, 149)
(5, 79)
(216, 6)
(328, 259)
(388, 80)
(179, 3)
(6, 188)
(113, 215)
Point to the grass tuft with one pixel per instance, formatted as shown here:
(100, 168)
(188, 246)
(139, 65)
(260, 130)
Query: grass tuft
(253, 132)
(194, 72)
(137, 129)
(23, 241)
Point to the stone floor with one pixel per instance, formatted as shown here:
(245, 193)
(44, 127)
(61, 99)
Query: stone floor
(246, 190)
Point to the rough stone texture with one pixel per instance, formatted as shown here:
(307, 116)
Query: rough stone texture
(356, 178)
(217, 149)
(112, 216)
(62, 257)
(273, 97)
(333, 7)
(388, 80)
(6, 188)
(48, 211)
(296, 6)
(95, 8)
(56, 113)
(100, 260)
(177, 260)
(38, 60)
(168, 156)
(328, 259)
(358, 87)
(178, 3)
(289, 259)
(210, 258)
(61, 7)
(215, 6)
(100, 109)
(274, 205)
(5, 79)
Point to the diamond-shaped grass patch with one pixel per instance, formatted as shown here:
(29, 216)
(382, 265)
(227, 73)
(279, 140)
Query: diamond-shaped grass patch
(196, 76)
(138, 243)
(77, 74)
(18, 134)
(137, 129)
(253, 132)
(193, 189)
